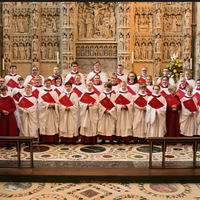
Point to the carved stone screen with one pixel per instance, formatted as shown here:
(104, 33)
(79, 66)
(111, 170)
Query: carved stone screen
(44, 33)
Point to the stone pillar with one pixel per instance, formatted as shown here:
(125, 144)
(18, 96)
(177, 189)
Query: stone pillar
(67, 35)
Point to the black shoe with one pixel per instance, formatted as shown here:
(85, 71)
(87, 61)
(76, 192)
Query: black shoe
(74, 143)
(119, 142)
(111, 142)
(102, 142)
(126, 143)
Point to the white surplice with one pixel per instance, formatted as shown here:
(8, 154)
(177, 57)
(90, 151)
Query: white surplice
(102, 75)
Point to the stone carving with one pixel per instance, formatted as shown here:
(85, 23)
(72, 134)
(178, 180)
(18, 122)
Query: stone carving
(158, 18)
(165, 51)
(187, 18)
(21, 52)
(6, 20)
(171, 50)
(187, 44)
(6, 43)
(94, 20)
(50, 51)
(143, 51)
(34, 19)
(15, 51)
(158, 44)
(179, 51)
(43, 51)
(35, 43)
(28, 51)
(149, 51)
(137, 51)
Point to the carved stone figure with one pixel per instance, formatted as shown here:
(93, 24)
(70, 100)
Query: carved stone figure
(54, 24)
(136, 23)
(89, 26)
(21, 52)
(50, 51)
(165, 51)
(158, 18)
(81, 29)
(187, 44)
(150, 24)
(179, 50)
(26, 24)
(27, 51)
(56, 49)
(110, 51)
(91, 51)
(174, 24)
(158, 44)
(15, 24)
(43, 52)
(113, 23)
(187, 18)
(35, 43)
(143, 51)
(171, 50)
(34, 19)
(71, 43)
(127, 42)
(20, 25)
(137, 51)
(179, 23)
(15, 51)
(121, 42)
(149, 51)
(6, 43)
(96, 51)
(6, 20)
(106, 29)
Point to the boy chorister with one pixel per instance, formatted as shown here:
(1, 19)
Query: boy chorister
(48, 114)
(69, 115)
(107, 115)
(139, 124)
(156, 114)
(89, 116)
(28, 116)
(124, 132)
(132, 82)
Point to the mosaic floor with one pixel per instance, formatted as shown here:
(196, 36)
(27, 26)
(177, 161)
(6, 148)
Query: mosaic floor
(98, 191)
(107, 155)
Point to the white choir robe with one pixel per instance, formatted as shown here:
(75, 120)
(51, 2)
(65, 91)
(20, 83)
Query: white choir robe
(124, 130)
(165, 89)
(150, 87)
(73, 75)
(48, 119)
(134, 87)
(99, 87)
(196, 90)
(188, 122)
(39, 88)
(107, 122)
(101, 74)
(89, 120)
(138, 77)
(171, 81)
(181, 88)
(116, 87)
(14, 77)
(60, 88)
(122, 77)
(29, 77)
(53, 77)
(29, 119)
(156, 119)
(69, 119)
(15, 91)
(139, 124)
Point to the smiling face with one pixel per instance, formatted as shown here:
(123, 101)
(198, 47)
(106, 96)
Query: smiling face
(123, 87)
(89, 87)
(187, 74)
(68, 88)
(164, 81)
(189, 92)
(58, 81)
(48, 84)
(156, 90)
(97, 66)
(4, 92)
(114, 80)
(28, 91)
(97, 79)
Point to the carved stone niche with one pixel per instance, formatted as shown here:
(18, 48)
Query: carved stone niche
(187, 31)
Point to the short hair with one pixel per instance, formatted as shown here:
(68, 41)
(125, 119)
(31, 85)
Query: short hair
(189, 87)
(28, 86)
(198, 80)
(135, 79)
(20, 79)
(34, 67)
(3, 88)
(166, 68)
(89, 82)
(165, 77)
(97, 75)
(77, 75)
(95, 62)
(68, 83)
(183, 78)
(108, 84)
(57, 77)
(47, 80)
(144, 67)
(11, 66)
(156, 85)
(187, 70)
(123, 83)
(142, 86)
(120, 65)
(38, 77)
(114, 75)
(172, 88)
(74, 63)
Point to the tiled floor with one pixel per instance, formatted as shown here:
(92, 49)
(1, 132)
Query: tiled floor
(98, 191)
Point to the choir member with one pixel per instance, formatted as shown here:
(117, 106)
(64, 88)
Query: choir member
(132, 83)
(7, 118)
(166, 73)
(107, 115)
(139, 124)
(71, 76)
(98, 85)
(28, 115)
(149, 84)
(89, 116)
(97, 70)
(48, 114)
(188, 78)
(115, 85)
(38, 87)
(120, 75)
(181, 88)
(16, 94)
(197, 88)
(188, 117)
(164, 84)
(124, 132)
(69, 115)
(58, 87)
(144, 71)
(172, 114)
(56, 72)
(78, 86)
(3, 83)
(30, 79)
(156, 114)
(12, 76)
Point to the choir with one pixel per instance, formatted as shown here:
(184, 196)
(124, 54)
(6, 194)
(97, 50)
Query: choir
(127, 109)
